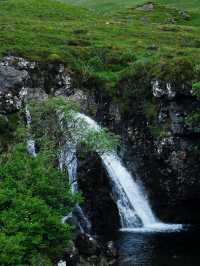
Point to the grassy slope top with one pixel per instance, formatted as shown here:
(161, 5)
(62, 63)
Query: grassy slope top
(107, 5)
(101, 44)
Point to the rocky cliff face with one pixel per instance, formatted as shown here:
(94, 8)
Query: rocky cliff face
(164, 150)
(176, 154)
(156, 139)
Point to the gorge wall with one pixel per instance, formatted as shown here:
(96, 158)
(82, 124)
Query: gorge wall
(148, 110)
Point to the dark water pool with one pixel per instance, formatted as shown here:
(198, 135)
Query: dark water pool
(160, 249)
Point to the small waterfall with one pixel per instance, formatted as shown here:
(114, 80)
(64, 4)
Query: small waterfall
(30, 142)
(68, 160)
(130, 197)
(134, 209)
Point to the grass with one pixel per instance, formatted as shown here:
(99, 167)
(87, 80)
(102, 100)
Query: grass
(99, 44)
(108, 5)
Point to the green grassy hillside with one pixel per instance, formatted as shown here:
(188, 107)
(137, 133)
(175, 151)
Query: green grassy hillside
(104, 5)
(107, 5)
(100, 45)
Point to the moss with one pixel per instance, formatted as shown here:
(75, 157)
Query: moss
(158, 132)
(178, 70)
(54, 58)
(150, 110)
(8, 125)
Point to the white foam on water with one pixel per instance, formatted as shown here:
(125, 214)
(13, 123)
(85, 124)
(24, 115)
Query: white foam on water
(155, 228)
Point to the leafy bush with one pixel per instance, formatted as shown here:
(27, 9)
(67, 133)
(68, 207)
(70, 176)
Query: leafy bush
(58, 121)
(196, 89)
(193, 120)
(34, 196)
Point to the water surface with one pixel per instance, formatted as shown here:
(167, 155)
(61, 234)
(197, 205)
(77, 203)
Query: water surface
(159, 249)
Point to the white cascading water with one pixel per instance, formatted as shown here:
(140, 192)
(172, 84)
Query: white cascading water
(68, 160)
(30, 141)
(131, 200)
(129, 196)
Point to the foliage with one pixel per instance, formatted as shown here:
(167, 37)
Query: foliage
(96, 43)
(196, 89)
(34, 196)
(57, 120)
(193, 119)
(8, 125)
(101, 141)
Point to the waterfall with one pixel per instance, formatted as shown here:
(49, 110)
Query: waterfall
(134, 209)
(68, 160)
(130, 197)
(30, 142)
(131, 200)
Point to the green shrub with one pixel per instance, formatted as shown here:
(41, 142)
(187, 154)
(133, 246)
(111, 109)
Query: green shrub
(34, 196)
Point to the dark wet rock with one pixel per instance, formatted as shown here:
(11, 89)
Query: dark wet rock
(167, 161)
(18, 63)
(87, 245)
(81, 98)
(72, 256)
(72, 220)
(22, 80)
(11, 82)
(163, 90)
(110, 250)
(36, 94)
(86, 250)
(11, 78)
(97, 261)
(96, 189)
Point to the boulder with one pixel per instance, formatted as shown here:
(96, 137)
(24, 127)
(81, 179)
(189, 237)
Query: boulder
(184, 15)
(87, 245)
(11, 82)
(146, 7)
(110, 250)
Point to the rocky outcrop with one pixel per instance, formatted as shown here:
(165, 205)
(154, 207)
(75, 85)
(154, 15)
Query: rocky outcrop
(11, 82)
(87, 251)
(157, 142)
(146, 7)
(176, 156)
(22, 80)
(165, 151)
